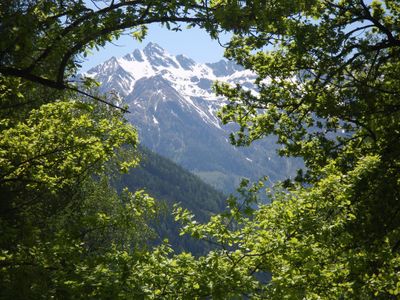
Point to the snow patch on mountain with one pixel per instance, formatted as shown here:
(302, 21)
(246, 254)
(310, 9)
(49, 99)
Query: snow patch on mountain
(192, 81)
(173, 107)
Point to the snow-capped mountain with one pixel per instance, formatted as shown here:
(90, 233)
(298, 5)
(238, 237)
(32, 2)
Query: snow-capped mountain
(174, 109)
(191, 80)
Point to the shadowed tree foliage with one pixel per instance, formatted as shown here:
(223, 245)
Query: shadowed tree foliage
(328, 79)
(65, 232)
(328, 87)
(41, 39)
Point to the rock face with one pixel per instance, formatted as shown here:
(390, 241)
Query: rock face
(174, 109)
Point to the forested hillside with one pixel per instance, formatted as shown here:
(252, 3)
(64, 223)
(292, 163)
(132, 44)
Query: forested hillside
(171, 184)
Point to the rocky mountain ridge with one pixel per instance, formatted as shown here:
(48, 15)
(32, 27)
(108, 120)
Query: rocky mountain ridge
(174, 108)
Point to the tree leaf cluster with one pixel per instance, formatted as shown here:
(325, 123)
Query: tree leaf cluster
(65, 231)
(328, 89)
(328, 84)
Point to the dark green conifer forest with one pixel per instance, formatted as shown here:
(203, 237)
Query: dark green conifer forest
(328, 74)
(171, 184)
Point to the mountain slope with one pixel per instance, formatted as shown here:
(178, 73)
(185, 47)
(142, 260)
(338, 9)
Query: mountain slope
(170, 183)
(174, 109)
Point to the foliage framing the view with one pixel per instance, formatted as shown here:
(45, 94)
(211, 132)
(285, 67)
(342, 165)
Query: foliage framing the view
(65, 232)
(328, 78)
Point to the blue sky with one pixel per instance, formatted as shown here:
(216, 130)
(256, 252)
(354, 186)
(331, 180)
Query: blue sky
(194, 43)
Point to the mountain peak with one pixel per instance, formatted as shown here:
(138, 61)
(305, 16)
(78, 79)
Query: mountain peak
(157, 56)
(185, 62)
(109, 66)
(174, 109)
(224, 68)
(136, 55)
(153, 48)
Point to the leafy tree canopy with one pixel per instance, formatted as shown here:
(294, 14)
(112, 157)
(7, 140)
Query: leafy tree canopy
(65, 232)
(41, 39)
(328, 79)
(328, 87)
